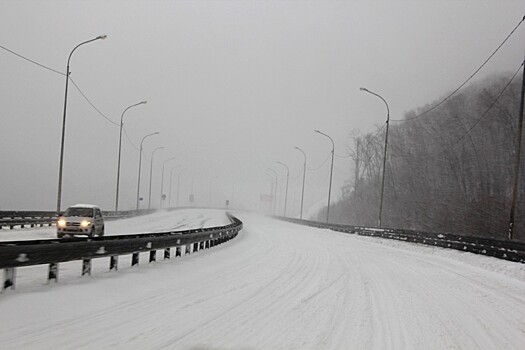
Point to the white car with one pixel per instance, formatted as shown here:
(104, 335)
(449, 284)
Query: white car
(81, 219)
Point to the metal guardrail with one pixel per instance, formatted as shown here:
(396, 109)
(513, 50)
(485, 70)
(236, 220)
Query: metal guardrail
(14, 254)
(21, 219)
(503, 249)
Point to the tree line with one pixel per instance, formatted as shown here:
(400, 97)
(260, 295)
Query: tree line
(449, 170)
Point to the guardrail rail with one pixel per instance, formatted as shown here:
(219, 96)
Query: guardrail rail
(21, 219)
(503, 249)
(14, 254)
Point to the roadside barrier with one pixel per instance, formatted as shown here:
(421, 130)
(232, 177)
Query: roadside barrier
(14, 219)
(14, 254)
(503, 249)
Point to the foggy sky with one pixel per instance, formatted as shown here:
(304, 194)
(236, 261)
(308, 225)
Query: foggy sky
(232, 86)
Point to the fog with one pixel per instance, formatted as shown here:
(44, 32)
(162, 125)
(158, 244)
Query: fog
(232, 87)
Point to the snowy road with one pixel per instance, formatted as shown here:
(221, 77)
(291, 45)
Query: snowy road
(280, 286)
(162, 220)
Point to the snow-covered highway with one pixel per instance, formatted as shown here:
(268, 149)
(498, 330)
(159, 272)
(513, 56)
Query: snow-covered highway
(276, 286)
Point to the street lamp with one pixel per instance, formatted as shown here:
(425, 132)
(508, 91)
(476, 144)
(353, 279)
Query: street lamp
(178, 185)
(275, 190)
(331, 172)
(151, 174)
(384, 154)
(61, 163)
(171, 179)
(271, 190)
(120, 147)
(162, 180)
(304, 177)
(286, 193)
(140, 163)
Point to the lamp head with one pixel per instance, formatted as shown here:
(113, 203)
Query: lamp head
(102, 37)
(144, 102)
(363, 89)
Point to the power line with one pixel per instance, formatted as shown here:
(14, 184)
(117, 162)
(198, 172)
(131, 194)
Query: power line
(466, 81)
(91, 104)
(490, 107)
(320, 166)
(339, 156)
(129, 139)
(30, 60)
(71, 79)
(76, 86)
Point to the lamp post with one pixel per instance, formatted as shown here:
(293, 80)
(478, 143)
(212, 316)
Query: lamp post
(331, 173)
(61, 163)
(178, 185)
(151, 174)
(286, 192)
(140, 163)
(384, 154)
(304, 178)
(171, 180)
(271, 190)
(120, 148)
(275, 190)
(162, 180)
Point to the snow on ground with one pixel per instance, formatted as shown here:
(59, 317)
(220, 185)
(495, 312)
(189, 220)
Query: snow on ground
(279, 286)
(161, 220)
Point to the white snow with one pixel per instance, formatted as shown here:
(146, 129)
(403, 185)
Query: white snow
(276, 286)
(162, 220)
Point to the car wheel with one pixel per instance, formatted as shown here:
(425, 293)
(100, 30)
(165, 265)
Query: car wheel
(60, 235)
(101, 232)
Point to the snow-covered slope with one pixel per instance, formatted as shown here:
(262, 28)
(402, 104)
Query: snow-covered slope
(279, 286)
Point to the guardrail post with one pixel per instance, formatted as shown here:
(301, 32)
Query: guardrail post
(9, 278)
(167, 253)
(178, 251)
(53, 272)
(86, 267)
(152, 256)
(135, 259)
(113, 262)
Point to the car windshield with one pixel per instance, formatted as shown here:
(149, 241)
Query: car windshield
(87, 212)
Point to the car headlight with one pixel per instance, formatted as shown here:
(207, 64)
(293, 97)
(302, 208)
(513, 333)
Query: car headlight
(61, 223)
(85, 223)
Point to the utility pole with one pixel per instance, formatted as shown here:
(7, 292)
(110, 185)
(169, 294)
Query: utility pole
(517, 160)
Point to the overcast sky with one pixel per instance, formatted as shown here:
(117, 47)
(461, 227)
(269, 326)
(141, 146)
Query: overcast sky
(232, 86)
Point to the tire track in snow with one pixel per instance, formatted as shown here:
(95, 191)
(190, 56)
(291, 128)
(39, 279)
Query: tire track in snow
(285, 286)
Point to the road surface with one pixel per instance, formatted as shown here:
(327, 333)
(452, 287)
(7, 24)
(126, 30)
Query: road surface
(279, 286)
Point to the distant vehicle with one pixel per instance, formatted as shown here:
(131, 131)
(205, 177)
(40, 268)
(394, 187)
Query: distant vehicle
(81, 219)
